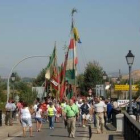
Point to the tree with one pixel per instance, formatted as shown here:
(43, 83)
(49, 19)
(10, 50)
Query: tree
(40, 78)
(24, 90)
(93, 75)
(138, 92)
(81, 84)
(2, 95)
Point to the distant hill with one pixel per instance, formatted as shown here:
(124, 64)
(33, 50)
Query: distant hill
(27, 79)
(135, 75)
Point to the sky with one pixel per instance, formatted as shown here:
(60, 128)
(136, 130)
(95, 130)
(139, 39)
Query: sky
(108, 30)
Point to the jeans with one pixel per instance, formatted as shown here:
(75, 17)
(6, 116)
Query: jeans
(95, 121)
(51, 121)
(80, 119)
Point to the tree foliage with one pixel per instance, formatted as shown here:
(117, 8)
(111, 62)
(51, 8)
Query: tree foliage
(80, 82)
(2, 95)
(24, 90)
(93, 75)
(40, 78)
(138, 92)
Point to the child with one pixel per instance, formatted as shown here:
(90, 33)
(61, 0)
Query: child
(38, 117)
(58, 112)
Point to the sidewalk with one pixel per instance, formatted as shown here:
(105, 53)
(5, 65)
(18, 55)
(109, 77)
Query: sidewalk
(9, 130)
(109, 134)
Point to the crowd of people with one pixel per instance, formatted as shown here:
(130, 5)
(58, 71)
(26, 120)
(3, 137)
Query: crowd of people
(82, 110)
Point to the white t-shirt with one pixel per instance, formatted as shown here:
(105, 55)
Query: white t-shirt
(38, 113)
(35, 107)
(99, 107)
(79, 104)
(25, 113)
(9, 106)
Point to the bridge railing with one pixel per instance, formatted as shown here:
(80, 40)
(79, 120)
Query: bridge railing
(131, 128)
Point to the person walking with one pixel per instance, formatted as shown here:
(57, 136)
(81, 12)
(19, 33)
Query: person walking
(71, 111)
(38, 118)
(109, 110)
(59, 112)
(14, 110)
(63, 106)
(8, 117)
(51, 115)
(25, 119)
(85, 112)
(100, 110)
(79, 103)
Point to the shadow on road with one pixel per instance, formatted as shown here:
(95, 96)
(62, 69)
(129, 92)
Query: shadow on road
(115, 137)
(58, 136)
(82, 131)
(83, 136)
(110, 127)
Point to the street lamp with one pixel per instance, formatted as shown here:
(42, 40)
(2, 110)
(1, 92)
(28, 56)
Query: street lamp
(100, 90)
(13, 77)
(104, 78)
(11, 71)
(130, 60)
(118, 80)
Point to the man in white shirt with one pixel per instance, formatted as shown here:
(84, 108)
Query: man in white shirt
(8, 117)
(79, 103)
(99, 109)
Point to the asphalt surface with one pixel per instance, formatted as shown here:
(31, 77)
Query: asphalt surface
(59, 133)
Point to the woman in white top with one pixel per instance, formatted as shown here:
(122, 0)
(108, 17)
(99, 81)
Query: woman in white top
(26, 119)
(38, 118)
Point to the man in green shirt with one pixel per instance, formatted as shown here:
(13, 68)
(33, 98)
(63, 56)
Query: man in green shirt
(71, 111)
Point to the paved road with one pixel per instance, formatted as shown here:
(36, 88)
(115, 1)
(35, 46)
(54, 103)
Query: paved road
(59, 133)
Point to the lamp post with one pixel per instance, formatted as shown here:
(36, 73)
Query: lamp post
(118, 82)
(130, 60)
(11, 71)
(13, 80)
(104, 79)
(100, 89)
(110, 86)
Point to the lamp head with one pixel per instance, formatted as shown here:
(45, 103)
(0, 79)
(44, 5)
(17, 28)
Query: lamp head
(13, 77)
(130, 58)
(104, 76)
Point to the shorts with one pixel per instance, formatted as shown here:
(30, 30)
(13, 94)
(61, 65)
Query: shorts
(26, 122)
(38, 119)
(85, 117)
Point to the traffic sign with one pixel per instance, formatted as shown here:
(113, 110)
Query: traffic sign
(126, 87)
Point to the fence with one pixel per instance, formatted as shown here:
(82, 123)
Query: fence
(131, 128)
